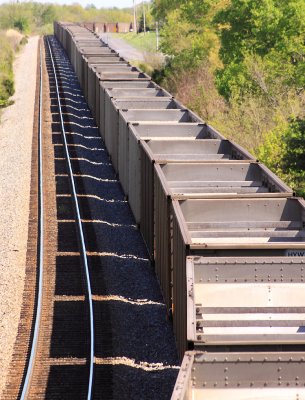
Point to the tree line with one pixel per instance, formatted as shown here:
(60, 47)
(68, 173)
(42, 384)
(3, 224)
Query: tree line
(18, 20)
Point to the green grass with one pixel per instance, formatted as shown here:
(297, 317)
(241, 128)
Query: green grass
(140, 41)
(6, 71)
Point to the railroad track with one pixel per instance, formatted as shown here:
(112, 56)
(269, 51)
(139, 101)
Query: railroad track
(54, 343)
(95, 287)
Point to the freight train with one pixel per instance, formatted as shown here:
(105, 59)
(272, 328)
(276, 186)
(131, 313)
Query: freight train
(226, 236)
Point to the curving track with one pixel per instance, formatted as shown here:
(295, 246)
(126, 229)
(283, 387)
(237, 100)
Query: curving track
(100, 329)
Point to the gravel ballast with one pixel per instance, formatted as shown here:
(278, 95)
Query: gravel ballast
(135, 352)
(16, 131)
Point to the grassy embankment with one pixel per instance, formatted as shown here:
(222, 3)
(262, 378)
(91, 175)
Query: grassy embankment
(140, 41)
(147, 44)
(10, 42)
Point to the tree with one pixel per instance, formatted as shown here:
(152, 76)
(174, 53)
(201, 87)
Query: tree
(283, 151)
(294, 158)
(22, 24)
(272, 30)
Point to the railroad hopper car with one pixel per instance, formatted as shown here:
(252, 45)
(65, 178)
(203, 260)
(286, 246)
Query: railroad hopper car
(241, 227)
(88, 25)
(106, 68)
(99, 73)
(112, 108)
(81, 68)
(196, 180)
(240, 376)
(149, 97)
(128, 146)
(225, 234)
(85, 61)
(101, 86)
(91, 65)
(209, 146)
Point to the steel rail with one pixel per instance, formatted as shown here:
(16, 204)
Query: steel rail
(30, 367)
(80, 228)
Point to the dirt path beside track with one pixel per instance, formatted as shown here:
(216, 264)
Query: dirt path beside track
(16, 131)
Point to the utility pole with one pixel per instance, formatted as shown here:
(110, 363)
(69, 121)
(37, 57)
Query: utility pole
(134, 17)
(157, 35)
(144, 18)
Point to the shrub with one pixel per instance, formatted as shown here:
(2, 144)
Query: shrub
(6, 70)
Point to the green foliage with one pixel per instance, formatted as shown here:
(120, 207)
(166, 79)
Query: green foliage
(38, 18)
(283, 151)
(294, 157)
(22, 24)
(149, 19)
(188, 38)
(253, 92)
(32, 17)
(272, 32)
(6, 70)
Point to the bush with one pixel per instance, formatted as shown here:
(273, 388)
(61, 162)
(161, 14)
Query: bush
(6, 70)
(22, 24)
(283, 151)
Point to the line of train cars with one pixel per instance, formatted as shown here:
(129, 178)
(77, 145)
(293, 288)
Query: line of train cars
(225, 234)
